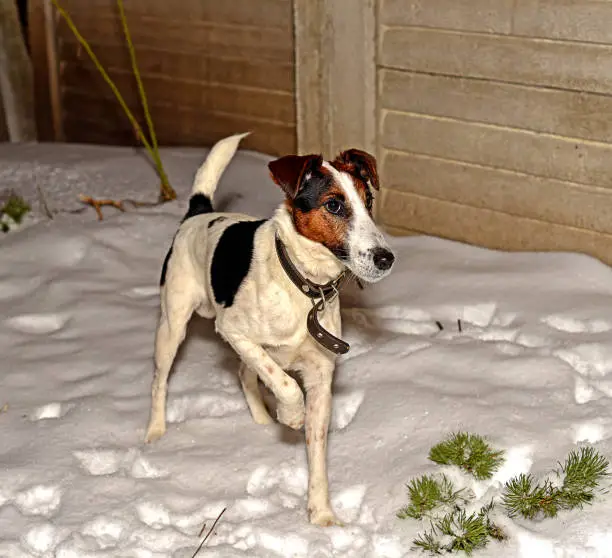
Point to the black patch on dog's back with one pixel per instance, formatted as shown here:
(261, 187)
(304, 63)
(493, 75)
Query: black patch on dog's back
(164, 270)
(198, 205)
(215, 221)
(232, 260)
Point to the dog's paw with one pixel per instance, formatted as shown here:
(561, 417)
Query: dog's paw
(324, 517)
(154, 433)
(292, 415)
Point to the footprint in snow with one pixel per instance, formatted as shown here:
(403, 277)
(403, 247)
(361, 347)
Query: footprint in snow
(568, 324)
(107, 531)
(39, 500)
(250, 540)
(19, 288)
(142, 468)
(190, 522)
(590, 432)
(592, 363)
(246, 509)
(154, 515)
(345, 407)
(143, 291)
(49, 411)
(289, 484)
(584, 392)
(41, 539)
(286, 477)
(37, 323)
(100, 462)
(204, 405)
(348, 502)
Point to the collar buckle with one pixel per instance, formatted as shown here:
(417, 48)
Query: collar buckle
(324, 293)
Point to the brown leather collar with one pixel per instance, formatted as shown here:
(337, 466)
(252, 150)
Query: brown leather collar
(325, 293)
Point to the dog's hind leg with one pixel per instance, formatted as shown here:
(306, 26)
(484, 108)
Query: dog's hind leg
(175, 313)
(252, 394)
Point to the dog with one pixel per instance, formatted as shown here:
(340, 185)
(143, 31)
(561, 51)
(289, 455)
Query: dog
(272, 288)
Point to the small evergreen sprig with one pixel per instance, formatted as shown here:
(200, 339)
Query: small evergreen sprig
(453, 530)
(470, 452)
(457, 531)
(12, 211)
(582, 472)
(428, 493)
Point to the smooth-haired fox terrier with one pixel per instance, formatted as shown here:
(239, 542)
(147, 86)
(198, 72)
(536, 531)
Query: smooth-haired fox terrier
(272, 287)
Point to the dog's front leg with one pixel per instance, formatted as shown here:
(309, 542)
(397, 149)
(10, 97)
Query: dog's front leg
(289, 396)
(318, 382)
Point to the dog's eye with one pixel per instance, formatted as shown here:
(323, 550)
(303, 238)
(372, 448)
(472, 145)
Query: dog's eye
(334, 206)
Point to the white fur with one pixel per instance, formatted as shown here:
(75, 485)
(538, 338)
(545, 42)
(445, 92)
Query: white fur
(364, 236)
(266, 325)
(209, 174)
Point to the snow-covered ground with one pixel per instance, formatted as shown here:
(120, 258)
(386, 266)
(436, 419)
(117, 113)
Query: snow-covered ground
(531, 370)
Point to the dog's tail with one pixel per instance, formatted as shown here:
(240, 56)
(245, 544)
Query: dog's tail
(209, 174)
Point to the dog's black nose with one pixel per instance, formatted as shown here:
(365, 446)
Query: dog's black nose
(383, 258)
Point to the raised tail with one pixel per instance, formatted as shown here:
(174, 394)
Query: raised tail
(208, 175)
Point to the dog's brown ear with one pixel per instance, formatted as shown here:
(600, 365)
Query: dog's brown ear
(361, 164)
(289, 171)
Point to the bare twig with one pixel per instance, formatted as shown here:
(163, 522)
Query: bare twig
(98, 204)
(207, 534)
(117, 204)
(43, 202)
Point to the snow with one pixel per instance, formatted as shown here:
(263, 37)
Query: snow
(531, 370)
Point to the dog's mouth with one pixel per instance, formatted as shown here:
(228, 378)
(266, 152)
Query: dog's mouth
(341, 253)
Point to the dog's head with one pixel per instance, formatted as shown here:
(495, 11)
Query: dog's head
(331, 203)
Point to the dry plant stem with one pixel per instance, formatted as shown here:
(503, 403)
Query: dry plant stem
(104, 75)
(207, 534)
(118, 204)
(167, 192)
(98, 204)
(43, 202)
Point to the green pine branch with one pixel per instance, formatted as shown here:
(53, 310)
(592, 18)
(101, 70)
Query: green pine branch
(470, 452)
(582, 472)
(523, 496)
(457, 531)
(12, 210)
(453, 530)
(466, 532)
(429, 541)
(428, 493)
